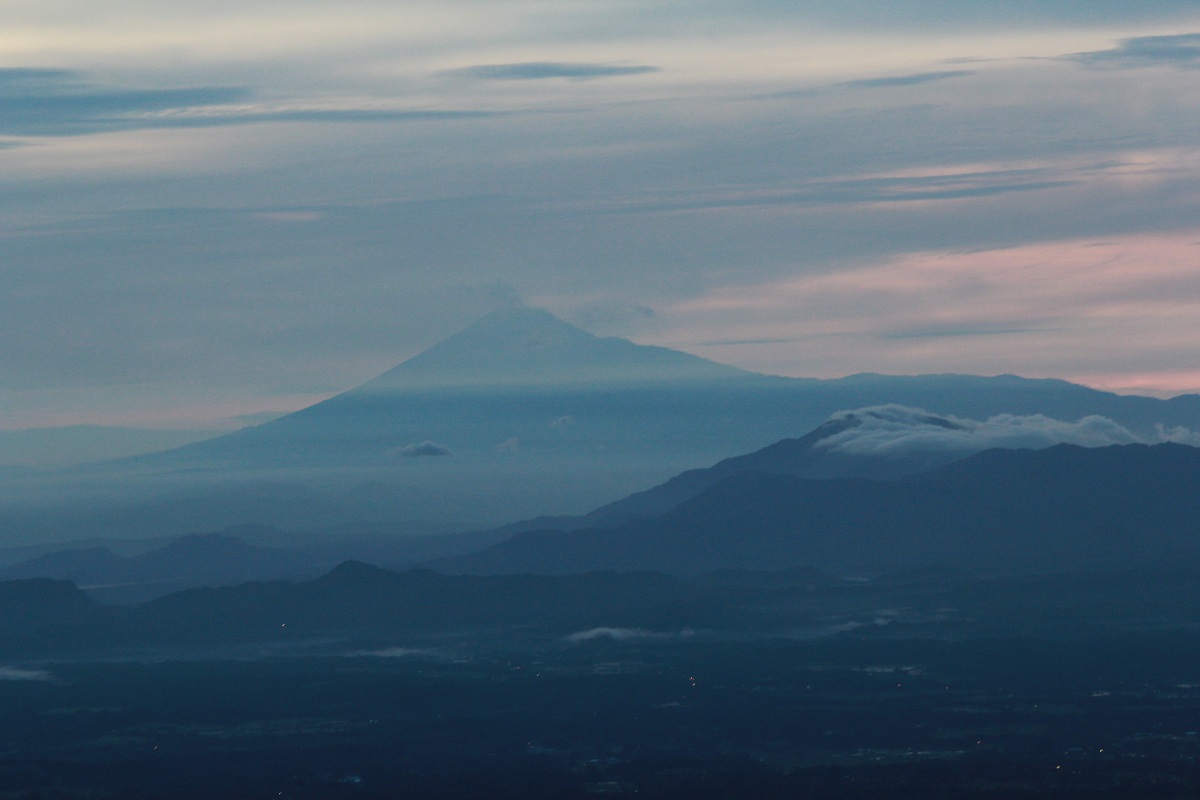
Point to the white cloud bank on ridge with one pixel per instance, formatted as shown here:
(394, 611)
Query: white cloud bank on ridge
(894, 430)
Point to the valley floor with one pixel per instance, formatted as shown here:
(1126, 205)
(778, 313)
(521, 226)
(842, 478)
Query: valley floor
(1105, 716)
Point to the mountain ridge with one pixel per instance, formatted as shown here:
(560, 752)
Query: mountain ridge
(574, 422)
(1008, 511)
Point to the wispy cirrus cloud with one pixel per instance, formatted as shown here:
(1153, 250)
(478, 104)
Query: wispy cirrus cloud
(898, 81)
(1179, 50)
(63, 102)
(51, 102)
(210, 118)
(1116, 313)
(915, 79)
(543, 70)
(926, 186)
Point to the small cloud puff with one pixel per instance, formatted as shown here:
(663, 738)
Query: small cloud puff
(420, 449)
(15, 674)
(510, 445)
(563, 422)
(399, 652)
(895, 431)
(627, 635)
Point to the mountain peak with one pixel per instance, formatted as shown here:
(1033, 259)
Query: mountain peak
(523, 346)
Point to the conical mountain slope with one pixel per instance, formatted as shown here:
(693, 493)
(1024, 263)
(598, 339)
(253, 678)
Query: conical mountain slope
(517, 380)
(519, 414)
(521, 381)
(523, 347)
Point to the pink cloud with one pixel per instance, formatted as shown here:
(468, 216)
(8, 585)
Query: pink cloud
(1124, 312)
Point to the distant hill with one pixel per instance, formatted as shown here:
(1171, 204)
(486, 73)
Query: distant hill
(233, 556)
(190, 561)
(1065, 508)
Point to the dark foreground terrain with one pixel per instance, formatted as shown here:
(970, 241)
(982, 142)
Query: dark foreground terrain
(620, 713)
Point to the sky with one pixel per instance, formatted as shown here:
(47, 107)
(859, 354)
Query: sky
(214, 211)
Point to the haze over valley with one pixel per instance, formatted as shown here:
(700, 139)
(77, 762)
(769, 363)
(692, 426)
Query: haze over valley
(556, 400)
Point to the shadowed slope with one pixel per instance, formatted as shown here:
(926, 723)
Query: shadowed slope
(1060, 509)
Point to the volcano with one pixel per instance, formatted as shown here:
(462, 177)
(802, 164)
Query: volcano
(522, 414)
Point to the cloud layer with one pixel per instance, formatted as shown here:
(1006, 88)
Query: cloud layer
(1110, 312)
(218, 209)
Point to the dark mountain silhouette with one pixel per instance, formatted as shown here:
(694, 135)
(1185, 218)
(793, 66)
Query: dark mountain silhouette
(1060, 509)
(28, 606)
(878, 443)
(359, 609)
(354, 599)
